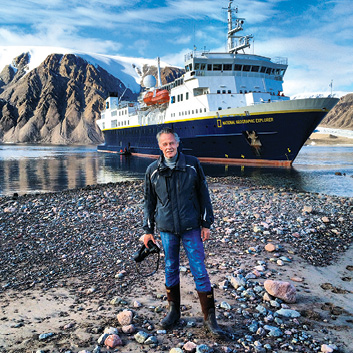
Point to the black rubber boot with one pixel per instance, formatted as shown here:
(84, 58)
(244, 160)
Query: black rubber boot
(209, 314)
(173, 316)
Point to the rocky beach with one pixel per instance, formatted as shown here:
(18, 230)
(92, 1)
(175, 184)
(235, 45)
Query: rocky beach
(280, 261)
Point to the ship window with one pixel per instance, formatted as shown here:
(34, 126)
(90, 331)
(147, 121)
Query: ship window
(255, 68)
(209, 67)
(103, 126)
(219, 108)
(217, 67)
(246, 68)
(263, 69)
(229, 91)
(237, 67)
(181, 97)
(227, 67)
(102, 116)
(218, 91)
(205, 110)
(107, 105)
(203, 67)
(114, 113)
(172, 99)
(187, 95)
(241, 91)
(224, 91)
(197, 66)
(114, 123)
(197, 111)
(268, 70)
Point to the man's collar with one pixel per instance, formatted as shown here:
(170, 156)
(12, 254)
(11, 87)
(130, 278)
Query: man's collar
(180, 163)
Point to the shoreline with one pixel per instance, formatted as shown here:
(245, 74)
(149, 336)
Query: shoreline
(66, 255)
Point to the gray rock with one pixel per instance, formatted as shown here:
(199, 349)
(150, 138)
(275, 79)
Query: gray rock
(288, 313)
(203, 348)
(273, 331)
(238, 281)
(141, 336)
(151, 340)
(44, 336)
(225, 305)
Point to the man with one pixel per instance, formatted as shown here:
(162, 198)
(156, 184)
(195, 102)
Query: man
(178, 203)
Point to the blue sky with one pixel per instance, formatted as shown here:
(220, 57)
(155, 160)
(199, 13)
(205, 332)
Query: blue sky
(316, 36)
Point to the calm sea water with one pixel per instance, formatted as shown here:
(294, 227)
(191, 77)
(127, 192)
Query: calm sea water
(30, 169)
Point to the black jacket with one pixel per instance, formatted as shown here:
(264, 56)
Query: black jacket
(176, 200)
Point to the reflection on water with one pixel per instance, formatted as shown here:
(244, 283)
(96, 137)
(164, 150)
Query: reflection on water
(28, 169)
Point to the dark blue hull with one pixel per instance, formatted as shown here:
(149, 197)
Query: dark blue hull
(274, 138)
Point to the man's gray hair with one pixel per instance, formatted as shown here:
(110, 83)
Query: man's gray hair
(168, 130)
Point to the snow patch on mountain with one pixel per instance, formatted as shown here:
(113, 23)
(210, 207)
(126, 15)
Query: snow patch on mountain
(335, 132)
(127, 69)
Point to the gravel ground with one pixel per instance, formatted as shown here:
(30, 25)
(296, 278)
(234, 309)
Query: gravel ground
(79, 238)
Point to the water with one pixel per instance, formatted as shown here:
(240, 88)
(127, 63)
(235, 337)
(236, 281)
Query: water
(31, 169)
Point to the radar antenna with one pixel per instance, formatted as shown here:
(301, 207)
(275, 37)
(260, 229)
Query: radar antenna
(236, 43)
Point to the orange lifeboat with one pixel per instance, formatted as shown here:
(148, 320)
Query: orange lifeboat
(162, 96)
(148, 98)
(156, 97)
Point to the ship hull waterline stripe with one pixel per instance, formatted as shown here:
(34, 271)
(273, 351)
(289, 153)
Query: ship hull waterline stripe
(235, 161)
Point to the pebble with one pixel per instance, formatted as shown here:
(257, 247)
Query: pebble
(113, 341)
(281, 289)
(141, 336)
(273, 331)
(204, 348)
(125, 317)
(328, 348)
(44, 336)
(129, 329)
(288, 313)
(190, 347)
(176, 350)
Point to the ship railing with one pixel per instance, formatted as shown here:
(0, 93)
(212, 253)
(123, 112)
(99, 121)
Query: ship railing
(280, 60)
(195, 54)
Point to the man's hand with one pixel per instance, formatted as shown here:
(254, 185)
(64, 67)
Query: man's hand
(205, 234)
(147, 238)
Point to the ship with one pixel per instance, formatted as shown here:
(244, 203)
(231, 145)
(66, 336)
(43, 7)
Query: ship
(228, 107)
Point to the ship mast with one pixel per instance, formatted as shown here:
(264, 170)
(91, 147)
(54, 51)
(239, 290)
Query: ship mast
(236, 43)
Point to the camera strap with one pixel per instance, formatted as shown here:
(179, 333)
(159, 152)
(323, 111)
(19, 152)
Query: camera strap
(149, 266)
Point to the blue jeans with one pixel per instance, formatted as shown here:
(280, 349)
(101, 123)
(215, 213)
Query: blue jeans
(193, 246)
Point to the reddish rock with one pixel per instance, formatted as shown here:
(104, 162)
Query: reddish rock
(190, 347)
(125, 317)
(270, 247)
(282, 290)
(128, 329)
(113, 341)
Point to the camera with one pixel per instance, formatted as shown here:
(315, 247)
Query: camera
(141, 254)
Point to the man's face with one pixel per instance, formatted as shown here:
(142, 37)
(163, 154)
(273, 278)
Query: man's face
(168, 145)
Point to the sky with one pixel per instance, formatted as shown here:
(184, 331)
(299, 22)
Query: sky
(316, 36)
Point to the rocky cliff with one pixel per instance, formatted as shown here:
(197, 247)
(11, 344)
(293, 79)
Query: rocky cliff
(341, 116)
(59, 101)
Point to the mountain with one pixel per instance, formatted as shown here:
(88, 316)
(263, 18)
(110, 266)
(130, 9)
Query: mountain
(59, 99)
(341, 116)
